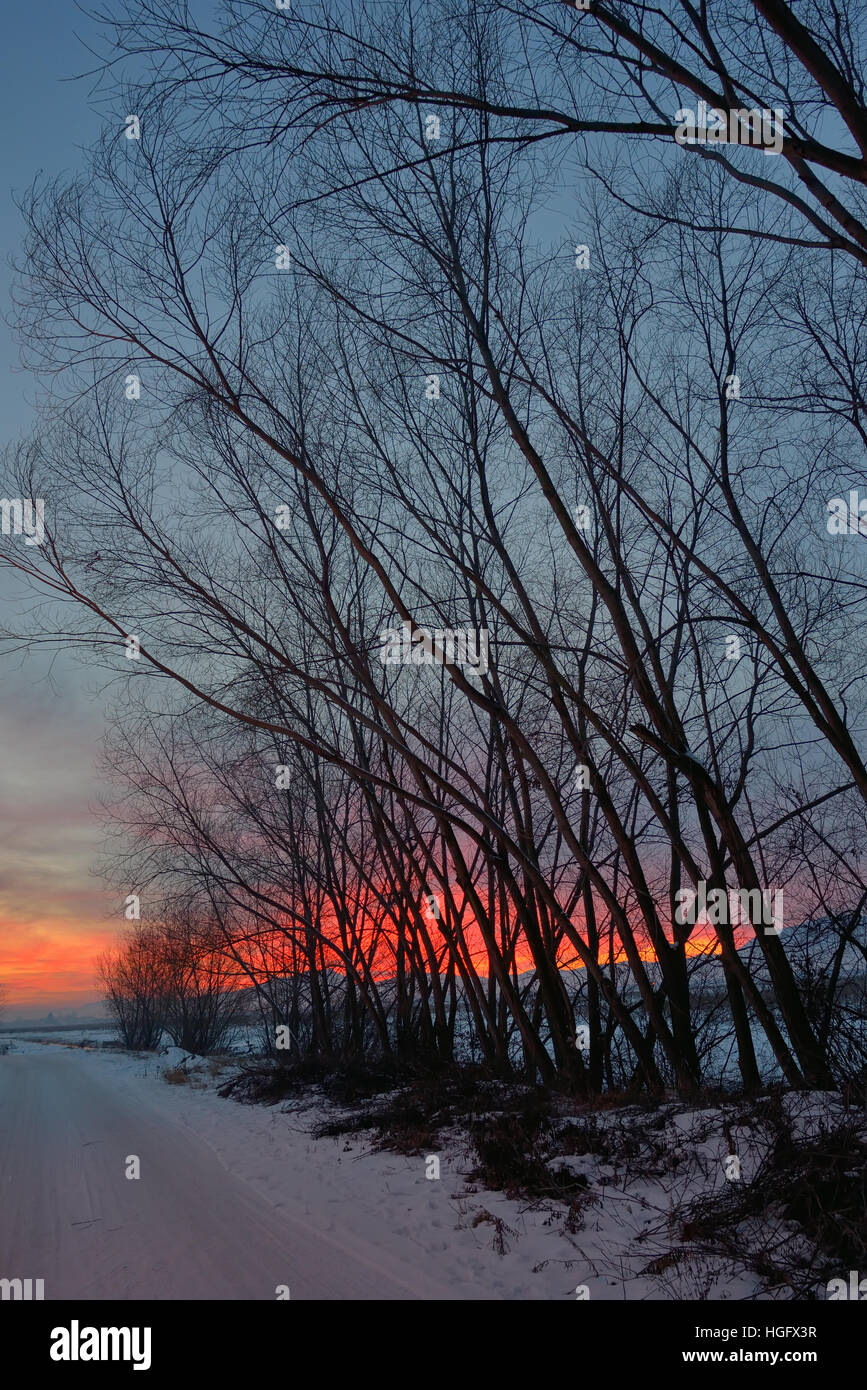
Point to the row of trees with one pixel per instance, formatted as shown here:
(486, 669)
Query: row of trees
(365, 330)
(165, 979)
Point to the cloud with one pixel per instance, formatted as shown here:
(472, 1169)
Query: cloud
(54, 913)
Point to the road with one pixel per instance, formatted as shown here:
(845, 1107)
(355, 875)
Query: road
(186, 1229)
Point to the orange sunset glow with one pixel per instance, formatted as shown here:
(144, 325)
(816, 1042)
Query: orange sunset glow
(50, 964)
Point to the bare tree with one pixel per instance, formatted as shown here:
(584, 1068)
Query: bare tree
(352, 400)
(618, 71)
(134, 986)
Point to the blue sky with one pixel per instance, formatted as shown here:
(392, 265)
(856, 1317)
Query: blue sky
(53, 911)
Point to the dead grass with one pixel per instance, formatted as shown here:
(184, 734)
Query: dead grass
(800, 1221)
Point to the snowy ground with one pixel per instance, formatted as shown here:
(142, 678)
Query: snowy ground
(235, 1200)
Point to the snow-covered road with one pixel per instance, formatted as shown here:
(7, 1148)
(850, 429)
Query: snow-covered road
(235, 1200)
(187, 1228)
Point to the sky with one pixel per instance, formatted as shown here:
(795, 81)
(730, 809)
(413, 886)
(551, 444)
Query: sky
(55, 914)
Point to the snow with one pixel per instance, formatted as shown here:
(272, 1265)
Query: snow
(235, 1200)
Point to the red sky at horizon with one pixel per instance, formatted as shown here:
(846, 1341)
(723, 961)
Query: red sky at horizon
(49, 965)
